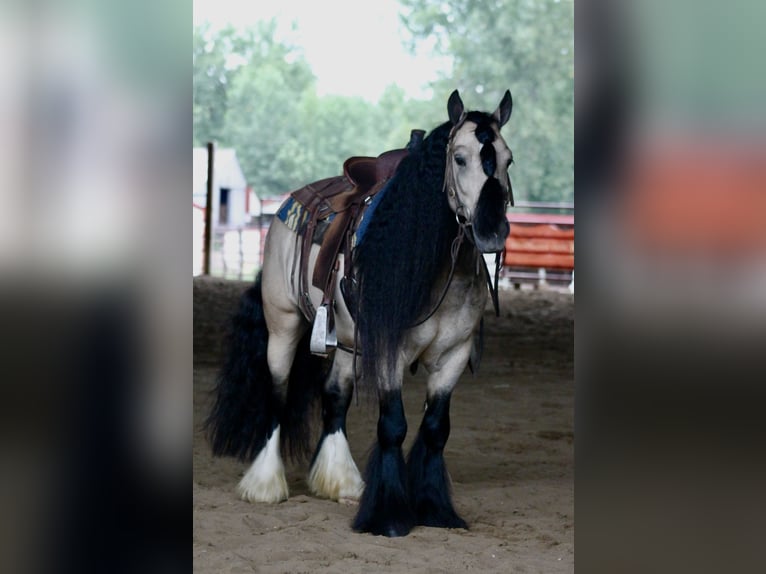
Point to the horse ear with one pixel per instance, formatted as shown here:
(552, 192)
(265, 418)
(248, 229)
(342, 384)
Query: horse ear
(503, 111)
(455, 108)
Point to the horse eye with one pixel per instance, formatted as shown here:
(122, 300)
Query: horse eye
(460, 160)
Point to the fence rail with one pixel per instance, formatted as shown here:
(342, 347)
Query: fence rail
(558, 205)
(539, 248)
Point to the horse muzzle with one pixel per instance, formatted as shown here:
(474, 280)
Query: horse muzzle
(494, 242)
(490, 225)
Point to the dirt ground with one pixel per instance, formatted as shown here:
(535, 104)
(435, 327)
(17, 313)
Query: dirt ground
(510, 456)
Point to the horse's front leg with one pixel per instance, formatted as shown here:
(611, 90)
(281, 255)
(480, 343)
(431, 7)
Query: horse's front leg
(385, 507)
(429, 483)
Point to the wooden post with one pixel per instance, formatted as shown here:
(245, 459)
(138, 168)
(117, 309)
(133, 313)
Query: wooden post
(209, 210)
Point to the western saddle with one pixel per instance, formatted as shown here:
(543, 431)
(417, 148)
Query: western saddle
(334, 208)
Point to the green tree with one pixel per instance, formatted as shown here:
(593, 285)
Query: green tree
(398, 115)
(524, 45)
(261, 125)
(248, 89)
(211, 77)
(335, 128)
(258, 95)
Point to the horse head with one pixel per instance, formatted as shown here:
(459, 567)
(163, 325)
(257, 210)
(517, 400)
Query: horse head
(476, 179)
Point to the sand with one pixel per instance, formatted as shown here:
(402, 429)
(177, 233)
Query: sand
(510, 456)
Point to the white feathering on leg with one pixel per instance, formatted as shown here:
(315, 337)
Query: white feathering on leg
(265, 479)
(334, 474)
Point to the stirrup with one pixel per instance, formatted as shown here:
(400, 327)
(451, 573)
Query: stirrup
(321, 338)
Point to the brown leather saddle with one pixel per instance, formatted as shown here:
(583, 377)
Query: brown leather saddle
(335, 206)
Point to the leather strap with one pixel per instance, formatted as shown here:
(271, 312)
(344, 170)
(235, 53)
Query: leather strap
(345, 197)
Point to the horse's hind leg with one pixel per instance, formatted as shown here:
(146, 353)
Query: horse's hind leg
(265, 479)
(429, 483)
(334, 474)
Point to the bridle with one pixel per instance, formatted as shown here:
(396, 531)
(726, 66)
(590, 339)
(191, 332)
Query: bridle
(449, 180)
(449, 187)
(465, 228)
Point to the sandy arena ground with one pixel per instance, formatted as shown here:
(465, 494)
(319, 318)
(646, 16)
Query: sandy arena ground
(510, 456)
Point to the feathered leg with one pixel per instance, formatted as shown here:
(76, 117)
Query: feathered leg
(429, 482)
(428, 479)
(385, 506)
(334, 474)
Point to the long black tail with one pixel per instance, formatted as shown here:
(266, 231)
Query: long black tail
(246, 408)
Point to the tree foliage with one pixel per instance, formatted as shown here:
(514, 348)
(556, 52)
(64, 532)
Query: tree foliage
(248, 92)
(258, 95)
(211, 78)
(524, 45)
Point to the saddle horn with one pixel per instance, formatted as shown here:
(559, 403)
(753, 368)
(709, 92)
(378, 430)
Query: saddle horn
(416, 138)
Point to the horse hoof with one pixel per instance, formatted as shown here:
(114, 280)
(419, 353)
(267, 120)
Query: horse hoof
(389, 530)
(334, 474)
(271, 496)
(441, 519)
(452, 522)
(255, 489)
(385, 525)
(347, 490)
(396, 531)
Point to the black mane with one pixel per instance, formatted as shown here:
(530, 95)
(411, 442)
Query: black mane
(406, 246)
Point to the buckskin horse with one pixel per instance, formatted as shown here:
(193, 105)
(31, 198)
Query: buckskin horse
(364, 275)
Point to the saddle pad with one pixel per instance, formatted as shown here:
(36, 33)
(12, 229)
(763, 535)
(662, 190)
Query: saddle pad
(367, 215)
(293, 214)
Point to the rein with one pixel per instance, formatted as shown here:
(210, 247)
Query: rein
(454, 250)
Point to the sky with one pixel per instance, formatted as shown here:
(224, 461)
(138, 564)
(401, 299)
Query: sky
(354, 47)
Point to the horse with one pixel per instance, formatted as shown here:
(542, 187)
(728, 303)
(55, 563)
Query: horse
(416, 297)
